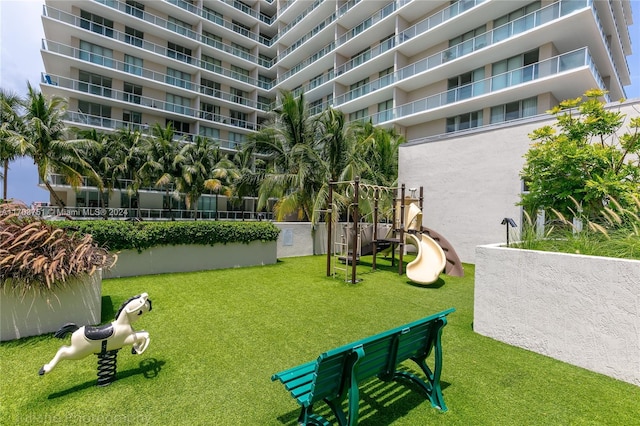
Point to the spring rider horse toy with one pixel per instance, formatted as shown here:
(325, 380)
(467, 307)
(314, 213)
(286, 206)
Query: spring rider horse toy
(105, 341)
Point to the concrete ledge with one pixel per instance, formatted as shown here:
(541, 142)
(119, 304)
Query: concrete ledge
(583, 310)
(79, 302)
(192, 257)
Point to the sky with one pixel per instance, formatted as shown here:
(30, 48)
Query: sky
(20, 61)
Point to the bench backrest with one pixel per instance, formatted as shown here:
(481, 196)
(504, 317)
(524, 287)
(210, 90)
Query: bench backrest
(377, 355)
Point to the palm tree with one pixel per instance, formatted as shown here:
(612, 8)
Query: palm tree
(161, 166)
(42, 138)
(108, 158)
(291, 145)
(251, 172)
(9, 122)
(133, 147)
(204, 167)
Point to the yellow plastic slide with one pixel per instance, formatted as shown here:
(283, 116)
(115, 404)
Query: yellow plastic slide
(429, 262)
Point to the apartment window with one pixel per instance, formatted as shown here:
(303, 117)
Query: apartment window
(264, 81)
(132, 65)
(315, 81)
(387, 43)
(386, 77)
(96, 54)
(238, 118)
(236, 139)
(359, 115)
(212, 39)
(466, 43)
(468, 35)
(209, 111)
(134, 8)
(211, 64)
(133, 36)
(212, 15)
(179, 126)
(178, 104)
(461, 87)
(385, 110)
(209, 87)
(361, 27)
(264, 103)
(241, 51)
(178, 26)
(514, 110)
(241, 28)
(515, 70)
(178, 78)
(361, 57)
(265, 60)
(240, 73)
(178, 52)
(133, 118)
(360, 88)
(464, 121)
(518, 21)
(132, 93)
(95, 114)
(238, 96)
(315, 107)
(209, 132)
(94, 84)
(96, 23)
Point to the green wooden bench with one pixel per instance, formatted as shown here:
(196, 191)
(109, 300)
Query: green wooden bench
(335, 374)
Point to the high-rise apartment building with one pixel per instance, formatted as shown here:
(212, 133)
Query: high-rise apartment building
(215, 67)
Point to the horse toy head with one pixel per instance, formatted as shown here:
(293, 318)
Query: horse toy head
(133, 308)
(105, 340)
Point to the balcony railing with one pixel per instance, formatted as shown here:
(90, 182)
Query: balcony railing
(81, 119)
(145, 214)
(563, 63)
(514, 28)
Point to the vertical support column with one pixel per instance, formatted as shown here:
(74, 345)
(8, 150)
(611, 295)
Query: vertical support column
(329, 225)
(375, 227)
(402, 225)
(356, 228)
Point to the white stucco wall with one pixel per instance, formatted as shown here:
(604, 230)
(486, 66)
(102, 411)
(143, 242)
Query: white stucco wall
(583, 310)
(35, 313)
(471, 180)
(192, 257)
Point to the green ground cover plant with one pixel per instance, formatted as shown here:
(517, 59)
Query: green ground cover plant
(218, 336)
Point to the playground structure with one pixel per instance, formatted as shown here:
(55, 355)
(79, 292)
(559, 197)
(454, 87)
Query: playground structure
(434, 253)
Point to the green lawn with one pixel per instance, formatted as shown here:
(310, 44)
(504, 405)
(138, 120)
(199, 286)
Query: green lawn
(217, 337)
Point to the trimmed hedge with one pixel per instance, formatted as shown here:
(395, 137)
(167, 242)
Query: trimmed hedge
(120, 235)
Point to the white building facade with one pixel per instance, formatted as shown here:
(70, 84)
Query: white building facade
(425, 68)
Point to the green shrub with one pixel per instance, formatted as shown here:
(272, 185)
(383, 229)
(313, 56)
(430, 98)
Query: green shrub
(120, 235)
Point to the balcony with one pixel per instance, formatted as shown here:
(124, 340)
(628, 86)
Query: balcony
(90, 57)
(474, 96)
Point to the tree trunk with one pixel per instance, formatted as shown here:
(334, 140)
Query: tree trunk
(55, 196)
(6, 170)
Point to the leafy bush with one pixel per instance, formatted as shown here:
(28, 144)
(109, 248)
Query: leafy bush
(120, 235)
(584, 160)
(35, 255)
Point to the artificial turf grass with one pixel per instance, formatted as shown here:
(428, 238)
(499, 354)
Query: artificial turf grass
(216, 338)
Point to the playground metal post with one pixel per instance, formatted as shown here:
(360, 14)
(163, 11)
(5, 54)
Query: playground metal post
(376, 194)
(329, 225)
(356, 220)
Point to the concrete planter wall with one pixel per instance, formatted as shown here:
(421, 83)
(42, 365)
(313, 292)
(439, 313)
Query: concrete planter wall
(583, 310)
(79, 302)
(192, 257)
